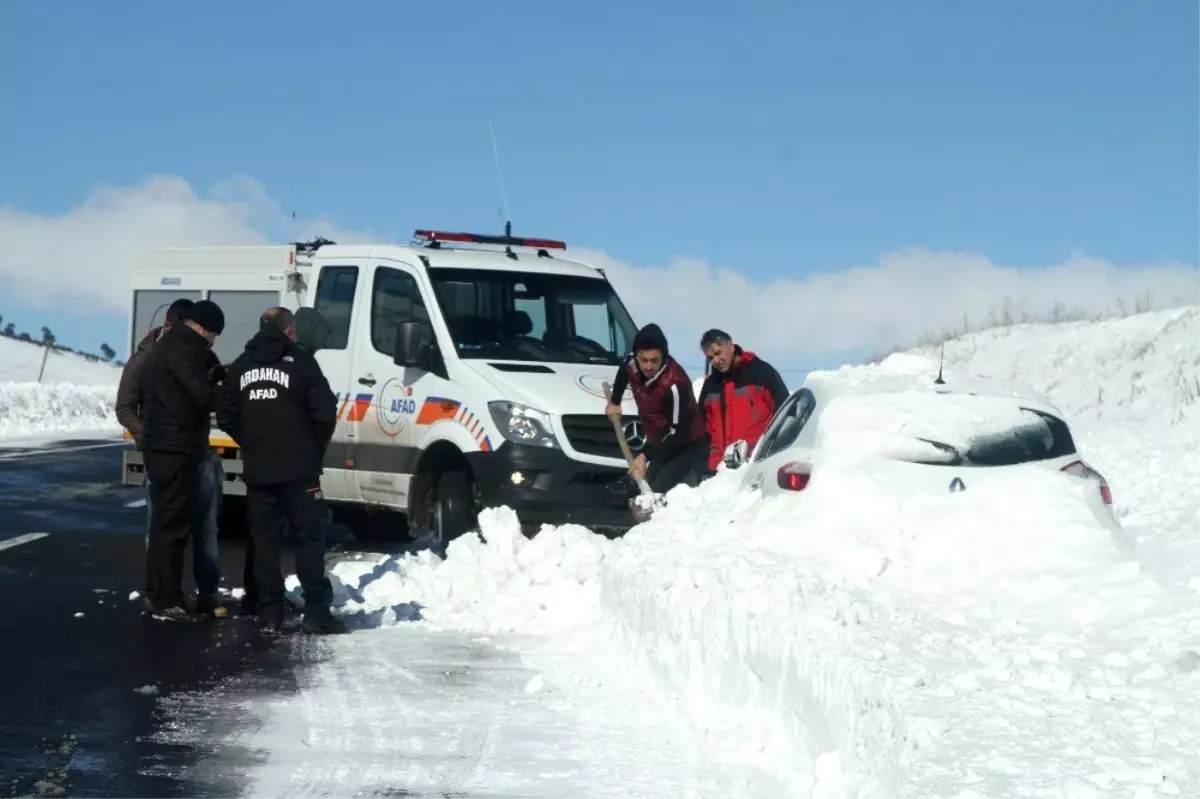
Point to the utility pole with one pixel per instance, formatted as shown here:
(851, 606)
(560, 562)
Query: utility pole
(45, 355)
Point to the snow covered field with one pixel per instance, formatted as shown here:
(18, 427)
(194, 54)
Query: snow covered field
(75, 397)
(844, 643)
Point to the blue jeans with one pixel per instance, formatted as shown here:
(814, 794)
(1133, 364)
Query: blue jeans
(206, 563)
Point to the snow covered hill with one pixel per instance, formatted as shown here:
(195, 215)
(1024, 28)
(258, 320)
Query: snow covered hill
(75, 397)
(860, 650)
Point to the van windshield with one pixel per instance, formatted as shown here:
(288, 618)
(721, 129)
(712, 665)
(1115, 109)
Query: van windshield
(529, 316)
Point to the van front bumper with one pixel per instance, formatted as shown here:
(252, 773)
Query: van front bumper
(544, 486)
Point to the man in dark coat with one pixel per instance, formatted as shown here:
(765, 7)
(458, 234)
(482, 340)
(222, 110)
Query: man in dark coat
(179, 384)
(279, 408)
(206, 563)
(676, 443)
(739, 396)
(312, 334)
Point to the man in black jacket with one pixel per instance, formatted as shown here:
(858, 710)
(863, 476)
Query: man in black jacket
(279, 408)
(179, 387)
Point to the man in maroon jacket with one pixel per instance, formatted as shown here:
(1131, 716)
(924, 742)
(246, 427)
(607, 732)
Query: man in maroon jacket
(739, 396)
(676, 442)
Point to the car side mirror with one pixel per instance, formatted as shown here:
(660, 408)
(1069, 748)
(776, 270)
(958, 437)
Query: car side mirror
(414, 346)
(737, 454)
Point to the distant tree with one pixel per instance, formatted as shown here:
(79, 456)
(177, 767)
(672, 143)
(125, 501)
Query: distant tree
(10, 330)
(25, 336)
(108, 352)
(48, 337)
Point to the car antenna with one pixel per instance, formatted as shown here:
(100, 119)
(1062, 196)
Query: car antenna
(508, 250)
(941, 361)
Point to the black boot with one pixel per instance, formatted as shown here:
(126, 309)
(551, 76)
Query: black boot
(321, 621)
(176, 614)
(270, 618)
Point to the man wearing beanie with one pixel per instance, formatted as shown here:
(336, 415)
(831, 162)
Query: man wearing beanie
(206, 564)
(179, 385)
(676, 439)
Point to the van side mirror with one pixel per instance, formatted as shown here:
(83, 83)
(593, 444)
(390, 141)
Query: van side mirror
(414, 346)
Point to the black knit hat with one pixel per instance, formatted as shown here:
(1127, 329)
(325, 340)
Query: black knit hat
(650, 337)
(208, 315)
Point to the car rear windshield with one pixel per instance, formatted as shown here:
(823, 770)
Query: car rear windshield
(1044, 437)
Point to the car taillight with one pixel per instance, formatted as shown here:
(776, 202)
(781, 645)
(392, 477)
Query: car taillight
(1081, 469)
(793, 476)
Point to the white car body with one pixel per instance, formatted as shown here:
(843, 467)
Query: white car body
(883, 427)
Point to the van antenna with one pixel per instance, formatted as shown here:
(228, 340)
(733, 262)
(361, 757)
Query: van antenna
(941, 361)
(500, 174)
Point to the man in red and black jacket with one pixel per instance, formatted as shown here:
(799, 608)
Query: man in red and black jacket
(676, 443)
(739, 396)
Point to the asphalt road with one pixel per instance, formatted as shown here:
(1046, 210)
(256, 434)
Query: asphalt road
(77, 648)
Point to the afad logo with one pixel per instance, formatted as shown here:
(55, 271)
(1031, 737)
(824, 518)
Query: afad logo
(394, 407)
(593, 385)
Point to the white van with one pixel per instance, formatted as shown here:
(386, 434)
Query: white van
(468, 370)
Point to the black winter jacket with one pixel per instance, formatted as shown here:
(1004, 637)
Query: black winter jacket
(178, 391)
(278, 406)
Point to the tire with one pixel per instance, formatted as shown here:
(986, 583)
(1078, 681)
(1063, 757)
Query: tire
(452, 513)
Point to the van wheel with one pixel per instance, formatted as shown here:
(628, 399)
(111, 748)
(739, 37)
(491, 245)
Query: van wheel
(452, 514)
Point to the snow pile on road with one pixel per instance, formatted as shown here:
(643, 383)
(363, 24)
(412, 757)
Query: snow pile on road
(508, 583)
(995, 642)
(75, 396)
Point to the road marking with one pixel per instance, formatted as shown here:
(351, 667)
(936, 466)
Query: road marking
(30, 453)
(21, 539)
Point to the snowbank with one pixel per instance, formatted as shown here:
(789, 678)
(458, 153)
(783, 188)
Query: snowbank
(36, 409)
(874, 658)
(985, 643)
(76, 396)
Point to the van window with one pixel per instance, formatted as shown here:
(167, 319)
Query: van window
(150, 311)
(395, 298)
(335, 301)
(243, 310)
(531, 316)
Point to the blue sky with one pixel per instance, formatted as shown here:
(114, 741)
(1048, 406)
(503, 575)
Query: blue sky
(777, 140)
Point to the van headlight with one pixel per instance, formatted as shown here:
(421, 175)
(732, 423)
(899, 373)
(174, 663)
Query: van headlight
(521, 424)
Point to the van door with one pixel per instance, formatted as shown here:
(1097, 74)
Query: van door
(336, 298)
(388, 446)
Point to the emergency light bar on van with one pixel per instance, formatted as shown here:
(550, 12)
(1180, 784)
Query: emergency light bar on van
(435, 236)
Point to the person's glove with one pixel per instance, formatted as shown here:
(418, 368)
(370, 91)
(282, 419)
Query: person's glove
(217, 374)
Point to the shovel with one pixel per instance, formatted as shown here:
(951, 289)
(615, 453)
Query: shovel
(615, 418)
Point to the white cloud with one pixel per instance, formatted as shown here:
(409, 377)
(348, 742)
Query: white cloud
(81, 259)
(906, 295)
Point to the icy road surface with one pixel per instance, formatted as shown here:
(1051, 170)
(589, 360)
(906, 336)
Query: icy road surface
(407, 710)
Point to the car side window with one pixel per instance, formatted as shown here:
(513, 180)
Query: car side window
(787, 425)
(395, 298)
(335, 301)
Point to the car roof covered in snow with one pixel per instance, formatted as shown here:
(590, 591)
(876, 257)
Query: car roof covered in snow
(915, 375)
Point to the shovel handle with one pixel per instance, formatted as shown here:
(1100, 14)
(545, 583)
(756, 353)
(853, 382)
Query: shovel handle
(615, 419)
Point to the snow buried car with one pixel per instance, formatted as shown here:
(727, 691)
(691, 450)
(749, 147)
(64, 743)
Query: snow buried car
(909, 436)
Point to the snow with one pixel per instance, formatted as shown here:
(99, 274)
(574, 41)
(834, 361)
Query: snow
(75, 398)
(849, 641)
